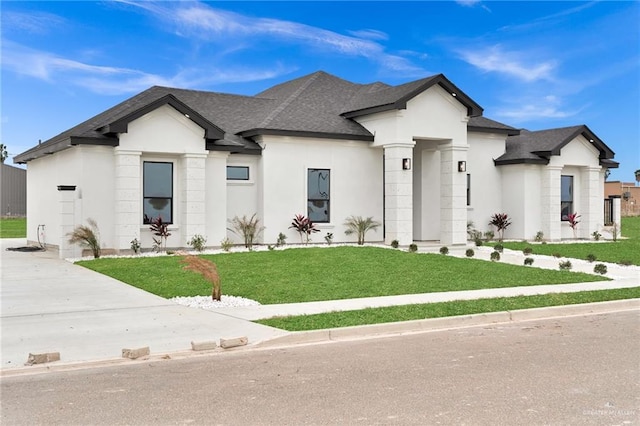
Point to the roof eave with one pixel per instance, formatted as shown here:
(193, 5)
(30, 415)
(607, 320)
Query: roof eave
(304, 133)
(499, 162)
(480, 129)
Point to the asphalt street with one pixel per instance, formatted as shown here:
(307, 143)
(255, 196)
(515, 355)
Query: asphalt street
(571, 370)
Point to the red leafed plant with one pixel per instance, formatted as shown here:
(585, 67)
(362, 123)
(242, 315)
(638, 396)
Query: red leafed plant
(501, 221)
(304, 226)
(573, 222)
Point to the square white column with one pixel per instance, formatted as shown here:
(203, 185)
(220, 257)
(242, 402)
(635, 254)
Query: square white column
(398, 193)
(550, 203)
(453, 195)
(128, 198)
(592, 203)
(192, 220)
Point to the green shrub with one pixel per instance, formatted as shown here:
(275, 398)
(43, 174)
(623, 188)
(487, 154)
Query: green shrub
(469, 253)
(413, 248)
(495, 256)
(489, 235)
(528, 261)
(591, 257)
(600, 268)
(596, 235)
(395, 243)
(499, 248)
(281, 240)
(329, 238)
(197, 242)
(565, 265)
(527, 250)
(444, 250)
(226, 244)
(135, 246)
(478, 242)
(539, 236)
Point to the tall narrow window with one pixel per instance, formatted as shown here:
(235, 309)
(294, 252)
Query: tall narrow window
(157, 182)
(566, 197)
(468, 189)
(318, 195)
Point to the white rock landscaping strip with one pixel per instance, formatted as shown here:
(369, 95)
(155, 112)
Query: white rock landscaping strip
(206, 302)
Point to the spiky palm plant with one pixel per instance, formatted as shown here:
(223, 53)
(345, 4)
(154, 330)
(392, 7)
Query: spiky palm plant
(88, 236)
(360, 226)
(248, 228)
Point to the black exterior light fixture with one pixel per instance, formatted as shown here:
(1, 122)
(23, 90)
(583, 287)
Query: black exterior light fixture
(462, 166)
(406, 164)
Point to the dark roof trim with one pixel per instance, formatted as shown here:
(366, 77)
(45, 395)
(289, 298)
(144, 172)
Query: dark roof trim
(473, 109)
(610, 164)
(303, 133)
(79, 140)
(521, 161)
(479, 129)
(211, 131)
(212, 146)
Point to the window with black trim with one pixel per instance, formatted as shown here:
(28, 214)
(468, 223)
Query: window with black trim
(157, 192)
(237, 173)
(566, 196)
(318, 195)
(468, 189)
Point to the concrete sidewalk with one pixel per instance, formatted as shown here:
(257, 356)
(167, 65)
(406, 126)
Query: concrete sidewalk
(50, 305)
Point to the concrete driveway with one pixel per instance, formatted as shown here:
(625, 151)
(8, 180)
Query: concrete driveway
(50, 305)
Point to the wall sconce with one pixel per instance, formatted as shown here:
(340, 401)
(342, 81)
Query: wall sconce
(462, 166)
(406, 164)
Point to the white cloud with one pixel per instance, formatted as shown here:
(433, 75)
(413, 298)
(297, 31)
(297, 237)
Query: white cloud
(113, 80)
(531, 109)
(33, 22)
(494, 59)
(200, 21)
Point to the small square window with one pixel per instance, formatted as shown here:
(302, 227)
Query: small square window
(237, 173)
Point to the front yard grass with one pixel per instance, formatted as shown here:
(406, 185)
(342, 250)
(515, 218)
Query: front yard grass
(443, 309)
(315, 274)
(13, 227)
(621, 251)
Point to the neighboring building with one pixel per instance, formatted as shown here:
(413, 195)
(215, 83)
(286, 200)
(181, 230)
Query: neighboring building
(14, 191)
(418, 157)
(629, 195)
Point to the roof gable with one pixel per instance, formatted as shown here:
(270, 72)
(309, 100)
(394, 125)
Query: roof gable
(538, 146)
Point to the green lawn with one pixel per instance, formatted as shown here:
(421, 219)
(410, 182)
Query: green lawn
(312, 274)
(623, 250)
(443, 309)
(13, 227)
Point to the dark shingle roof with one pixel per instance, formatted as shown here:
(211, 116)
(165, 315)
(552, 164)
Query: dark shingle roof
(486, 125)
(536, 147)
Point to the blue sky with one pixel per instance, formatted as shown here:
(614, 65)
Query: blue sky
(534, 65)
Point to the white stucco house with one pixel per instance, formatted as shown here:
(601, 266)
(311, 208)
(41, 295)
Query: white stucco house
(420, 158)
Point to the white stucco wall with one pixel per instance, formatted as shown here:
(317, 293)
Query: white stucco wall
(355, 184)
(521, 194)
(242, 195)
(486, 179)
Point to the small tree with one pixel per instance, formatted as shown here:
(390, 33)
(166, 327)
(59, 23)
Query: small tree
(88, 236)
(304, 226)
(208, 270)
(161, 231)
(3, 153)
(360, 226)
(248, 228)
(501, 221)
(573, 223)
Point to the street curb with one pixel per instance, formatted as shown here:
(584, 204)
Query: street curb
(352, 333)
(445, 323)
